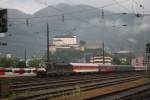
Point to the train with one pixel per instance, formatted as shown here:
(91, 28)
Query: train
(87, 68)
(69, 69)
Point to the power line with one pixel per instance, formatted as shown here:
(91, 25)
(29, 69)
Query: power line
(85, 21)
(63, 17)
(73, 12)
(118, 3)
(139, 5)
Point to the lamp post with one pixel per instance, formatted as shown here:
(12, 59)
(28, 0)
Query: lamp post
(103, 46)
(48, 43)
(25, 56)
(48, 59)
(49, 64)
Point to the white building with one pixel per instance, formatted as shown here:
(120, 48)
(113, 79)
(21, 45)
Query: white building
(138, 61)
(52, 48)
(65, 41)
(100, 60)
(8, 55)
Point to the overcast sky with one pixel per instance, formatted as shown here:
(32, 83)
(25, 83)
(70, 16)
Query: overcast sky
(31, 6)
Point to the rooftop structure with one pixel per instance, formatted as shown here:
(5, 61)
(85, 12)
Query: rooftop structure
(69, 40)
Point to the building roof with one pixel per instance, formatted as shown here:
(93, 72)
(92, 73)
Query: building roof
(124, 52)
(70, 35)
(93, 45)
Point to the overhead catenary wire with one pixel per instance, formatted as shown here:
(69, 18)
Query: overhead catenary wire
(12, 22)
(64, 13)
(75, 16)
(68, 13)
(139, 5)
(63, 19)
(27, 22)
(118, 3)
(123, 25)
(103, 14)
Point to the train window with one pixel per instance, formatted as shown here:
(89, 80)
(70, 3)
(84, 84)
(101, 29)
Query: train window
(8, 70)
(35, 71)
(137, 61)
(28, 71)
(19, 71)
(16, 71)
(2, 70)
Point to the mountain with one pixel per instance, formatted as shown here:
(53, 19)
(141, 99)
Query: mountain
(119, 31)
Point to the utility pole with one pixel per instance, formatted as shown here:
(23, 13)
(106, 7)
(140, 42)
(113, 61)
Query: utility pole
(130, 54)
(148, 54)
(48, 60)
(147, 51)
(103, 47)
(25, 56)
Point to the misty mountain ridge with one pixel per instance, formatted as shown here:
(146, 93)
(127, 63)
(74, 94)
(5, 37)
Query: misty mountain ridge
(119, 31)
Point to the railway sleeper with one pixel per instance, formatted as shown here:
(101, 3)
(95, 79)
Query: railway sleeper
(138, 95)
(50, 86)
(58, 91)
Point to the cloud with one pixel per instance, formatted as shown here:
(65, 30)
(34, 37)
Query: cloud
(95, 21)
(2, 34)
(144, 27)
(109, 23)
(132, 40)
(114, 23)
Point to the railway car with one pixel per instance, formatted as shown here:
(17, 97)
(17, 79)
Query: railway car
(2, 71)
(84, 67)
(107, 68)
(140, 68)
(124, 68)
(17, 72)
(8, 72)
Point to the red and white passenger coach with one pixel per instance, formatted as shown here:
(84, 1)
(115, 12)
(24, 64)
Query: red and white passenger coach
(16, 72)
(85, 67)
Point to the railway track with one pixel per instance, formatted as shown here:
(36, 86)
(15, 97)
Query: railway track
(139, 93)
(64, 86)
(52, 85)
(27, 80)
(44, 82)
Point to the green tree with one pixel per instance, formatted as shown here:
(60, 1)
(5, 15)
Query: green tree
(127, 62)
(116, 60)
(67, 55)
(34, 63)
(21, 64)
(4, 62)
